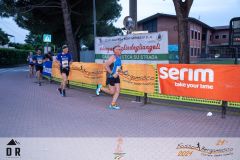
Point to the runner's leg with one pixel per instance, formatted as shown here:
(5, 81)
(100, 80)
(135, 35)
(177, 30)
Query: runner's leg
(116, 93)
(110, 90)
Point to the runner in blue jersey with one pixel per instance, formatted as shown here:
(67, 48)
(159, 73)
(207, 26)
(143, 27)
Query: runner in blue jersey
(30, 64)
(38, 60)
(113, 66)
(64, 60)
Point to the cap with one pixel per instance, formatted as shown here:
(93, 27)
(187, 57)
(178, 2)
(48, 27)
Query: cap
(64, 46)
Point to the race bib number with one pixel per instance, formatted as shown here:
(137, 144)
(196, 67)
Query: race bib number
(40, 61)
(118, 69)
(65, 63)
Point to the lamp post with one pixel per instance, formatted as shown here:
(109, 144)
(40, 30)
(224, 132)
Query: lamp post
(94, 23)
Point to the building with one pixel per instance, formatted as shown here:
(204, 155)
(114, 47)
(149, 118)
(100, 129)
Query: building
(204, 40)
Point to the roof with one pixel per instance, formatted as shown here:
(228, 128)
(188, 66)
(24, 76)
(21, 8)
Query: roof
(156, 16)
(174, 16)
(221, 27)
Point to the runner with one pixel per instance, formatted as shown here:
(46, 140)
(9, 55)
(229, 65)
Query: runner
(113, 66)
(30, 64)
(38, 59)
(64, 60)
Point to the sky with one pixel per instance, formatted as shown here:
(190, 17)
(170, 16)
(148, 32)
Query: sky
(211, 12)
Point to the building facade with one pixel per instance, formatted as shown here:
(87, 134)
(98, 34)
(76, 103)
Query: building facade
(204, 40)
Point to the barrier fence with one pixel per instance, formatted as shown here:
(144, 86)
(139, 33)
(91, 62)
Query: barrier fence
(141, 80)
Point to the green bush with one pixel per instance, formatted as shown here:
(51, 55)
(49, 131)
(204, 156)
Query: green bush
(9, 57)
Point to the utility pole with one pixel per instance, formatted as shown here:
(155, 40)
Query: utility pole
(133, 11)
(94, 23)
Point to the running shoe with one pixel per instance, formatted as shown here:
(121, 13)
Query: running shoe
(60, 90)
(98, 90)
(113, 107)
(63, 93)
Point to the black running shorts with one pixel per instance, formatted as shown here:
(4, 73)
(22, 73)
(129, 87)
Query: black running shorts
(112, 81)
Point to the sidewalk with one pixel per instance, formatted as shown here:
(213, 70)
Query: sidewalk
(28, 110)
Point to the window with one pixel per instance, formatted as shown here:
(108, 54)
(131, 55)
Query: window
(195, 51)
(224, 36)
(199, 52)
(204, 37)
(195, 34)
(192, 34)
(217, 37)
(150, 26)
(199, 36)
(191, 53)
(211, 37)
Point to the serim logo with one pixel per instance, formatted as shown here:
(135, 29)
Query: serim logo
(13, 150)
(202, 75)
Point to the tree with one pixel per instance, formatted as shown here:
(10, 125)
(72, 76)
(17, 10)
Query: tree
(34, 39)
(68, 29)
(72, 17)
(182, 8)
(3, 38)
(21, 46)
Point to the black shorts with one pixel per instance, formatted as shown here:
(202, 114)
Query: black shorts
(31, 64)
(112, 81)
(39, 68)
(65, 70)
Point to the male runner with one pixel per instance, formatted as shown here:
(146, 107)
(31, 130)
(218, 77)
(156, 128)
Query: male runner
(64, 59)
(30, 64)
(113, 66)
(38, 60)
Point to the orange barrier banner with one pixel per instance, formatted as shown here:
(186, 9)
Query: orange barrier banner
(56, 70)
(140, 77)
(216, 82)
(89, 73)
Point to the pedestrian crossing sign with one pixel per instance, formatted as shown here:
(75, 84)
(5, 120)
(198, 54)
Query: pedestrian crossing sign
(47, 38)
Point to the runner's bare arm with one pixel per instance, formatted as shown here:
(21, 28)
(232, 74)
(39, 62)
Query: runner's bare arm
(71, 62)
(58, 62)
(108, 63)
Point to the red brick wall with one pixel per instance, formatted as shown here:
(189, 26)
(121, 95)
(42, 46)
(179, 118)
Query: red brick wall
(220, 40)
(170, 25)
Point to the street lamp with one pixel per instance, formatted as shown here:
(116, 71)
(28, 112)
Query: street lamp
(94, 23)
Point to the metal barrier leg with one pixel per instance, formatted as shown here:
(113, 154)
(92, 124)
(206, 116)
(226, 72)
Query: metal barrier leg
(50, 80)
(138, 99)
(224, 109)
(145, 98)
(68, 84)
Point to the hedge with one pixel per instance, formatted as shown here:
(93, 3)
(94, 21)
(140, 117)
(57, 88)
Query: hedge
(9, 57)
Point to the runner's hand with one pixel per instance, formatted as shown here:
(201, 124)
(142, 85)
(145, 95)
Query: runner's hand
(115, 75)
(125, 72)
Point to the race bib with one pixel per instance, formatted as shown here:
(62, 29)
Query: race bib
(118, 68)
(65, 63)
(40, 61)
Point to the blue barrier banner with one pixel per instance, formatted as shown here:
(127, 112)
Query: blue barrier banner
(47, 68)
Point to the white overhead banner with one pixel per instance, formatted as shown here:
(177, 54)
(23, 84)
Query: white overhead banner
(120, 148)
(149, 48)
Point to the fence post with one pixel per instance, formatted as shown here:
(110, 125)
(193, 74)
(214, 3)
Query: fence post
(236, 55)
(224, 109)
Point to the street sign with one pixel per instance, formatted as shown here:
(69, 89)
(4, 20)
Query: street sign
(47, 38)
(234, 36)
